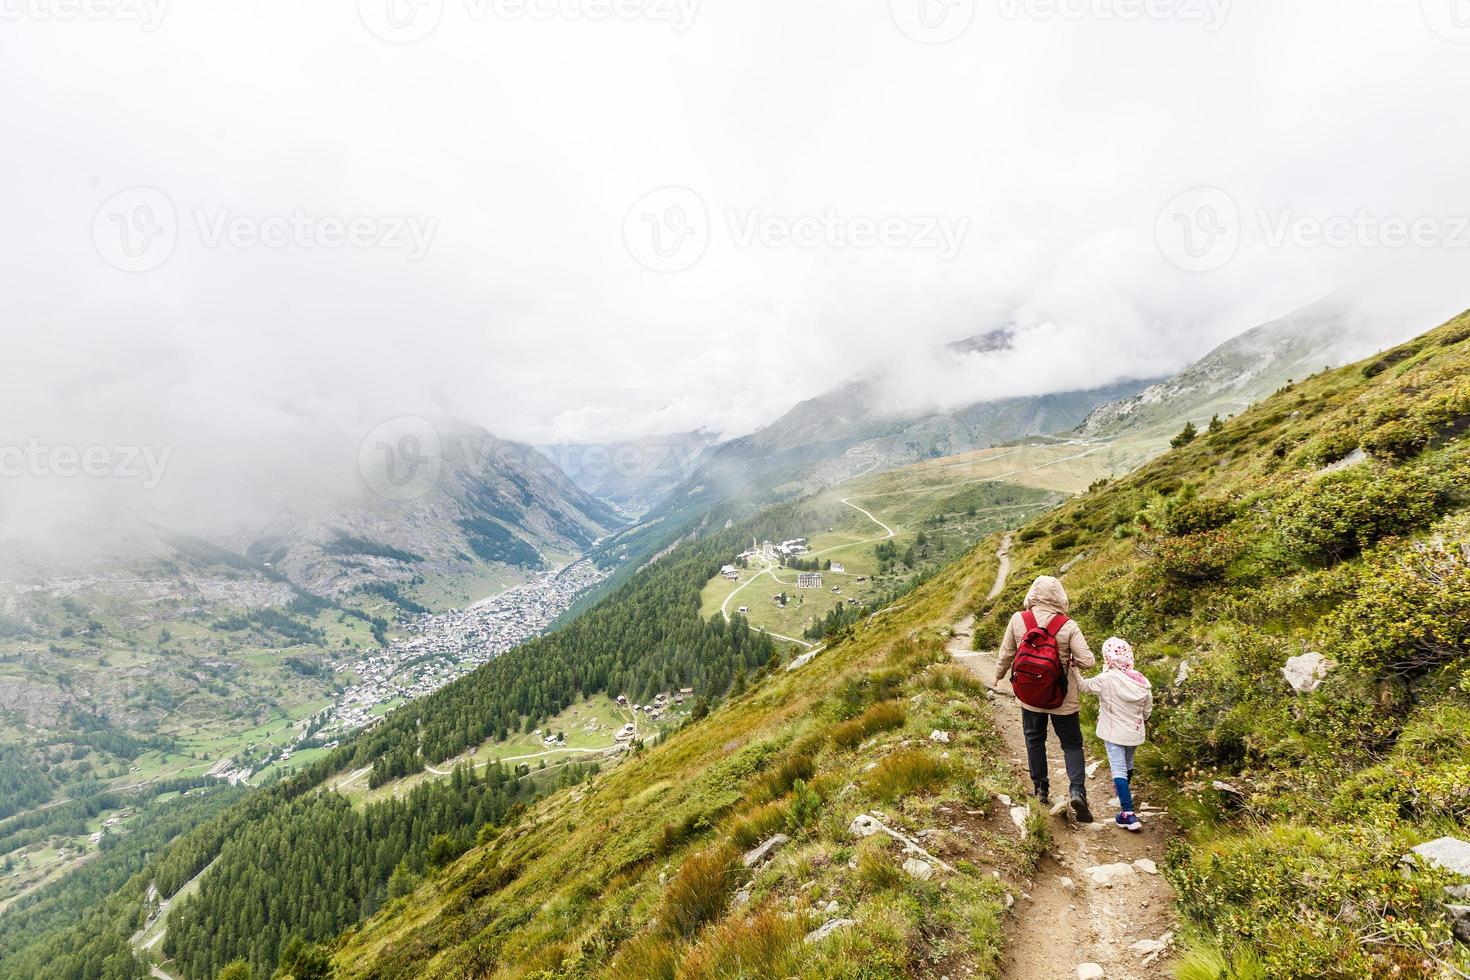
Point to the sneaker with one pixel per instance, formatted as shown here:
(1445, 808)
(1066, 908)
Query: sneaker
(1128, 821)
(1080, 810)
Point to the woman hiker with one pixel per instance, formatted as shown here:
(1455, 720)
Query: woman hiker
(1042, 651)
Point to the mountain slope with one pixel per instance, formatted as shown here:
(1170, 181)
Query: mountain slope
(1241, 372)
(493, 502)
(1329, 522)
(843, 434)
(1331, 517)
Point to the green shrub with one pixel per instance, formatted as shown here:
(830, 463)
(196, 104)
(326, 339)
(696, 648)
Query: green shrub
(1065, 540)
(1338, 515)
(1309, 903)
(1189, 514)
(880, 717)
(1408, 615)
(806, 807)
(1376, 367)
(1031, 534)
(903, 772)
(698, 892)
(1396, 441)
(1193, 559)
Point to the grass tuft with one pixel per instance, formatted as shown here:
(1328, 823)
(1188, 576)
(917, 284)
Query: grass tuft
(878, 718)
(763, 945)
(749, 827)
(649, 956)
(905, 771)
(698, 892)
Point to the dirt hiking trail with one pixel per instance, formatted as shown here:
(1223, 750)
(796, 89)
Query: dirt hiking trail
(1071, 920)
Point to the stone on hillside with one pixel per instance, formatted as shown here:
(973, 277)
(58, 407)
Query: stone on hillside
(1449, 853)
(1090, 971)
(864, 826)
(801, 661)
(1004, 799)
(832, 907)
(827, 928)
(1459, 921)
(940, 737)
(1092, 769)
(1109, 874)
(1306, 673)
(1067, 884)
(742, 897)
(757, 855)
(1146, 866)
(918, 869)
(1018, 817)
(1182, 674)
(1459, 893)
(1146, 947)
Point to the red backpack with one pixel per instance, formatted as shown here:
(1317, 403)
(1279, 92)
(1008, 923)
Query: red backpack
(1037, 676)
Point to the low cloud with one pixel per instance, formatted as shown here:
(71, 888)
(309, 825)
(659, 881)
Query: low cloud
(473, 188)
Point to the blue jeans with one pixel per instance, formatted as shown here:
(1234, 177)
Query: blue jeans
(1120, 759)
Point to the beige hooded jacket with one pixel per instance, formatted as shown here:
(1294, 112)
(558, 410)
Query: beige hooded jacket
(1046, 599)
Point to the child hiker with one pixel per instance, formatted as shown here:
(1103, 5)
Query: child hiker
(1125, 700)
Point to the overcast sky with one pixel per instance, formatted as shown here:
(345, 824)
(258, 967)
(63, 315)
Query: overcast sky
(230, 225)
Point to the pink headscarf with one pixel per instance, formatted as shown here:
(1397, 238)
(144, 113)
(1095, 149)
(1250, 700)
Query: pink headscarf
(1118, 655)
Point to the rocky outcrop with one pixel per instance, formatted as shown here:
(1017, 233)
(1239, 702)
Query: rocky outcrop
(1306, 673)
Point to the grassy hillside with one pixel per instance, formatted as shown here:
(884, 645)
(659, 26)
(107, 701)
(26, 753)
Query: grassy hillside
(1330, 518)
(638, 874)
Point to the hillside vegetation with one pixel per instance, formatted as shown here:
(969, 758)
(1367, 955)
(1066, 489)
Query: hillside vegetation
(639, 873)
(1330, 519)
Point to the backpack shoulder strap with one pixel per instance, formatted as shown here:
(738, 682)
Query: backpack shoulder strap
(1029, 618)
(1055, 626)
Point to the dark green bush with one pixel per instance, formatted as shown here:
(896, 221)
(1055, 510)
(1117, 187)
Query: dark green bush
(1408, 615)
(1338, 515)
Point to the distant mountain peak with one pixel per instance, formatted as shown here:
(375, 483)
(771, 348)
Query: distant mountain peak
(984, 343)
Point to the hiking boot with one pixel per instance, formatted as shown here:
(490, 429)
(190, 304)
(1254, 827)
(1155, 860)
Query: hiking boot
(1128, 821)
(1080, 809)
